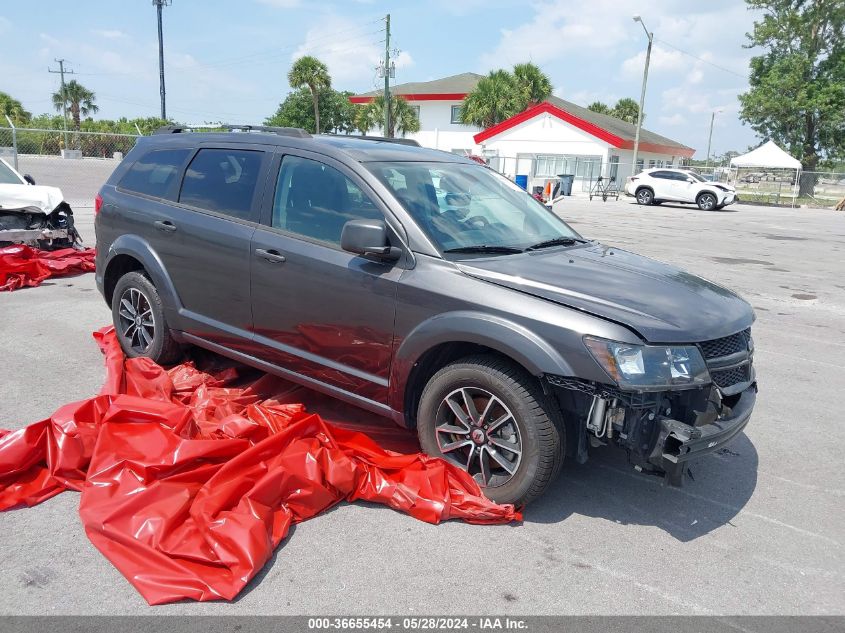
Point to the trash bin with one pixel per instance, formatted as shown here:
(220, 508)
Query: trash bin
(521, 180)
(566, 181)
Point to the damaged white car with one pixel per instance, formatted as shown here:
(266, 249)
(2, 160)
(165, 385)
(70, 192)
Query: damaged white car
(33, 214)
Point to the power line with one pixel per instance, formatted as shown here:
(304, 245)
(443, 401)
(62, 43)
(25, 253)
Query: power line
(701, 59)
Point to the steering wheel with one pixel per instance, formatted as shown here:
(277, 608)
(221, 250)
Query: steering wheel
(477, 222)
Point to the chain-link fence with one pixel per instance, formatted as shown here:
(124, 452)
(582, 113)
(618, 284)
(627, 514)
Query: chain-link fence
(76, 162)
(593, 176)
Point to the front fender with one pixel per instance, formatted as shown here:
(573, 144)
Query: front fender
(502, 335)
(140, 249)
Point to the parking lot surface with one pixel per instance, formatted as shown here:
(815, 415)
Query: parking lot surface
(759, 531)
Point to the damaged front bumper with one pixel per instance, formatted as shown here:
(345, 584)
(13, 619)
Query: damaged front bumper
(678, 443)
(32, 227)
(661, 431)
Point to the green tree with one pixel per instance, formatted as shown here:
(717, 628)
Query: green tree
(78, 99)
(403, 117)
(532, 83)
(337, 113)
(13, 109)
(797, 86)
(626, 109)
(309, 72)
(600, 107)
(494, 99)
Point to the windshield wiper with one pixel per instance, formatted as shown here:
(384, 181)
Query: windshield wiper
(484, 248)
(558, 241)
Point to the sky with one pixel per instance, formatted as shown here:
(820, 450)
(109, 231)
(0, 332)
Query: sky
(228, 61)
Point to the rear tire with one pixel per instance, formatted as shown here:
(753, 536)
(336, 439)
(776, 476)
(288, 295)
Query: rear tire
(645, 196)
(138, 316)
(707, 202)
(512, 425)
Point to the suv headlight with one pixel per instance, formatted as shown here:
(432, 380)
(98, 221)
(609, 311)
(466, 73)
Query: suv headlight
(650, 367)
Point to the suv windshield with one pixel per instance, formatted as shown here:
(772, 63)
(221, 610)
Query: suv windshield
(470, 208)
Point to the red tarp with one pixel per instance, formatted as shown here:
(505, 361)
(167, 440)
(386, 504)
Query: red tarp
(22, 266)
(191, 478)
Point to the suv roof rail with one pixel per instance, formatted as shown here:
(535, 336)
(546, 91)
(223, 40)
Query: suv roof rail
(281, 131)
(383, 139)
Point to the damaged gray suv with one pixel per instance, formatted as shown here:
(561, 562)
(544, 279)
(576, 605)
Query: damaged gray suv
(425, 288)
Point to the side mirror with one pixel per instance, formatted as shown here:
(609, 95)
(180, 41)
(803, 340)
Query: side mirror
(29, 179)
(368, 238)
(690, 180)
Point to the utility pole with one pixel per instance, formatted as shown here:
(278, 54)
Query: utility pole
(387, 77)
(61, 71)
(710, 137)
(158, 5)
(642, 96)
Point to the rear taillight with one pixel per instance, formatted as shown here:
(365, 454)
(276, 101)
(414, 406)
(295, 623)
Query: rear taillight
(98, 204)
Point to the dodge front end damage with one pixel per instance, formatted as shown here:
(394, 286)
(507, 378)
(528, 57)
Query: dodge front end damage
(669, 404)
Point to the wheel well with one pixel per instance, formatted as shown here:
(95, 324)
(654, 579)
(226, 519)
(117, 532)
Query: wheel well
(706, 191)
(432, 361)
(641, 187)
(118, 266)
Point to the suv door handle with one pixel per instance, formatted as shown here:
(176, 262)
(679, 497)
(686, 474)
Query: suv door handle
(274, 257)
(165, 225)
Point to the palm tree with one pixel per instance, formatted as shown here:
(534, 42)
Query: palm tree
(626, 109)
(494, 99)
(532, 83)
(310, 72)
(403, 117)
(78, 99)
(601, 108)
(13, 109)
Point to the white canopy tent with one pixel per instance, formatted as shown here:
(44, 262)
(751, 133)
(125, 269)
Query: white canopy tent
(769, 156)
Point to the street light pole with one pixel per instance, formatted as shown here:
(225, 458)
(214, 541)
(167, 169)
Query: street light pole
(642, 95)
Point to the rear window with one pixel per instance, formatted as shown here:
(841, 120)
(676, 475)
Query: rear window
(155, 172)
(222, 180)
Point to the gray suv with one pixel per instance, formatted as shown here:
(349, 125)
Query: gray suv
(425, 288)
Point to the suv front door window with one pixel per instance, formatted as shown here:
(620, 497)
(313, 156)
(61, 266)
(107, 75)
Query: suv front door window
(318, 310)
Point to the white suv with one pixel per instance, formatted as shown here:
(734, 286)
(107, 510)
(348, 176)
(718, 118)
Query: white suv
(654, 186)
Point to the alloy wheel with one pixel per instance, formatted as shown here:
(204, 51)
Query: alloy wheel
(644, 197)
(477, 431)
(137, 323)
(707, 202)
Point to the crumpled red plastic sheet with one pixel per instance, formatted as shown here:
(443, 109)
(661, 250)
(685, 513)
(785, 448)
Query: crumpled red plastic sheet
(191, 478)
(22, 266)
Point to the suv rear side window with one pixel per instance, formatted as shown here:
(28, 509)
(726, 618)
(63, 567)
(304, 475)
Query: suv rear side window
(154, 172)
(315, 200)
(223, 180)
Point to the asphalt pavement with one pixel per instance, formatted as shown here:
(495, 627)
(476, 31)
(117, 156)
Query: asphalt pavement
(759, 531)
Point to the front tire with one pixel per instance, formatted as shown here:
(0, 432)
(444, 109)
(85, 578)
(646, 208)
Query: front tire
(645, 196)
(707, 202)
(490, 418)
(138, 316)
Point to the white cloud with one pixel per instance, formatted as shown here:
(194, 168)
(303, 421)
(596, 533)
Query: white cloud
(675, 119)
(662, 60)
(109, 34)
(350, 56)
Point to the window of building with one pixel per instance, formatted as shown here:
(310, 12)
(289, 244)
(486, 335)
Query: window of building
(154, 173)
(652, 163)
(456, 114)
(315, 201)
(416, 110)
(588, 167)
(222, 180)
(614, 167)
(639, 165)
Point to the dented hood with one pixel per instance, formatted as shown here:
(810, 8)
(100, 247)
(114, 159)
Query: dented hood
(662, 303)
(19, 196)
